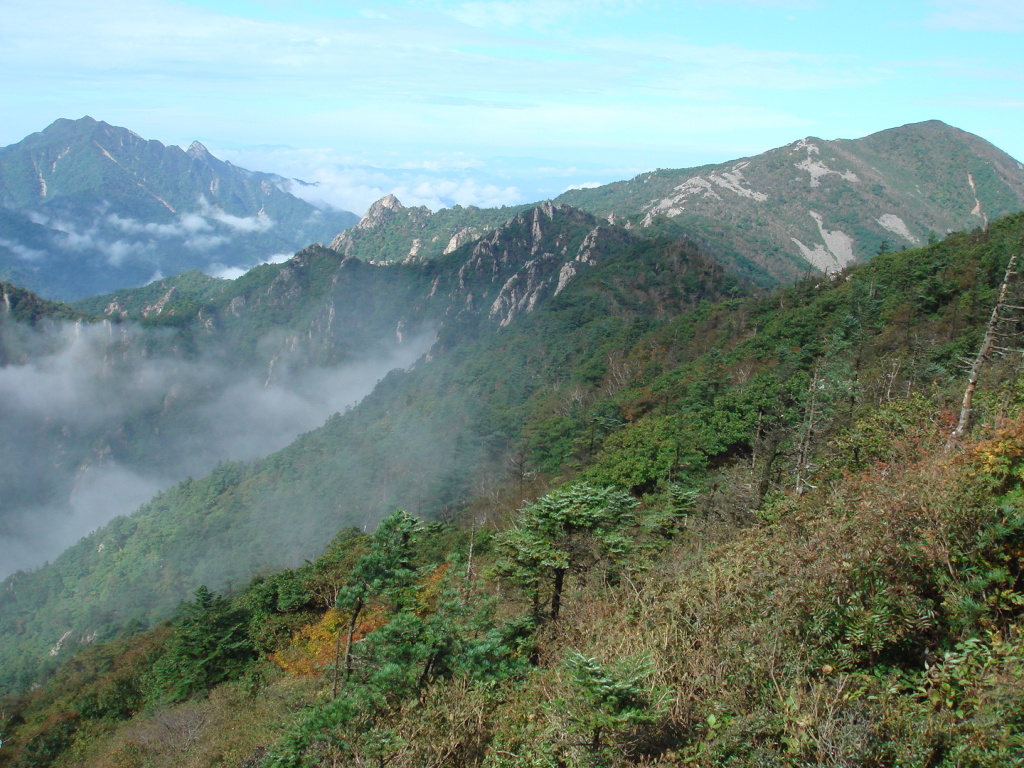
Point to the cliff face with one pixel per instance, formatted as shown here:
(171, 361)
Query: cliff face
(533, 257)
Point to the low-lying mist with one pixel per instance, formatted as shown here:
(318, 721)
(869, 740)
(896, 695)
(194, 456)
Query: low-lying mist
(96, 419)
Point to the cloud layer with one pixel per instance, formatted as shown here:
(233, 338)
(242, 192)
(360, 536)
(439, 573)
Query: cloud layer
(102, 424)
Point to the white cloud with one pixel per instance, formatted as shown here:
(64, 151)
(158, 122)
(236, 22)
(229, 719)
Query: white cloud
(978, 15)
(206, 242)
(119, 252)
(187, 224)
(277, 258)
(21, 251)
(539, 14)
(91, 379)
(225, 272)
(372, 81)
(246, 224)
(259, 223)
(435, 182)
(584, 185)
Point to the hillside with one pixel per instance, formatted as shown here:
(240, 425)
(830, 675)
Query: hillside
(827, 203)
(700, 530)
(86, 207)
(707, 419)
(412, 443)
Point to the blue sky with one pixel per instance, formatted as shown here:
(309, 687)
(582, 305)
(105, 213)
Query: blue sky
(490, 102)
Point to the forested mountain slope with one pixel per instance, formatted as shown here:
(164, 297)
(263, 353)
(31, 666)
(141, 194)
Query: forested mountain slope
(86, 207)
(19, 305)
(703, 531)
(303, 325)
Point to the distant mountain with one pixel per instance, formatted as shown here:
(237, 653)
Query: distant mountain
(87, 207)
(812, 204)
(825, 203)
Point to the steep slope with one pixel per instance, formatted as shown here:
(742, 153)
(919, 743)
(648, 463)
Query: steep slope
(98, 416)
(418, 442)
(115, 210)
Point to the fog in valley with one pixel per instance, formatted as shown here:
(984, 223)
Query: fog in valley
(97, 418)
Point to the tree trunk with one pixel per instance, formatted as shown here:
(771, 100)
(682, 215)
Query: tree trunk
(348, 640)
(556, 596)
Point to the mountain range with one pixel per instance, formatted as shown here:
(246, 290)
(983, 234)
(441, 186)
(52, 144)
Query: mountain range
(86, 207)
(813, 204)
(624, 335)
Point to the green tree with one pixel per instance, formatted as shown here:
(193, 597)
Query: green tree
(647, 451)
(567, 530)
(210, 644)
(617, 696)
(386, 568)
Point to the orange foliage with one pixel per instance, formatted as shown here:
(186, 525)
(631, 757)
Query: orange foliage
(430, 589)
(311, 649)
(1002, 457)
(314, 647)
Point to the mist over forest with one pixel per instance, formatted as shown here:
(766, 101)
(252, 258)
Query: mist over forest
(97, 418)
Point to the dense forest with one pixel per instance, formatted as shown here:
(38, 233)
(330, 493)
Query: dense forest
(707, 526)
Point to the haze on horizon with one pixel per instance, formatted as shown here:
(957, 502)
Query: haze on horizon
(491, 102)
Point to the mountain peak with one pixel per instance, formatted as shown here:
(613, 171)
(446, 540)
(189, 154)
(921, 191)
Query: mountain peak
(380, 211)
(197, 150)
(63, 125)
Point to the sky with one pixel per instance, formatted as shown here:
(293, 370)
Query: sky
(495, 102)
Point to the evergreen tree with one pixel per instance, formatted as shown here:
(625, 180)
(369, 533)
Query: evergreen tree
(568, 530)
(210, 644)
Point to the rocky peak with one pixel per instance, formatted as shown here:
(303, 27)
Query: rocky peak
(380, 212)
(548, 273)
(197, 151)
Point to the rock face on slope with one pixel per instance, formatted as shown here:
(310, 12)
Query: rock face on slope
(823, 204)
(532, 257)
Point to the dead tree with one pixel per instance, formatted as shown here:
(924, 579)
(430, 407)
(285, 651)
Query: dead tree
(1002, 335)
